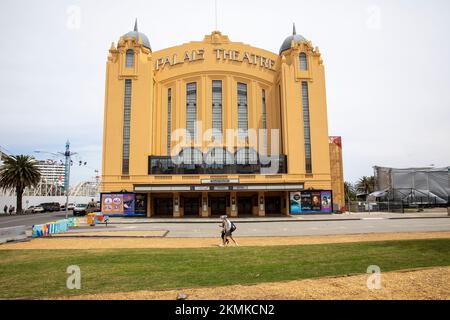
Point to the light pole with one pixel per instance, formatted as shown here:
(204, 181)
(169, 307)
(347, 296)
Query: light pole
(67, 155)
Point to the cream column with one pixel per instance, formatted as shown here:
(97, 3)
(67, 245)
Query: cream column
(204, 207)
(288, 204)
(261, 205)
(234, 207)
(149, 206)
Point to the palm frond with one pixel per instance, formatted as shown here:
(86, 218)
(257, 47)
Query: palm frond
(19, 172)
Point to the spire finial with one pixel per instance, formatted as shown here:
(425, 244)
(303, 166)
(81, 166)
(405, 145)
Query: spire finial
(294, 32)
(135, 25)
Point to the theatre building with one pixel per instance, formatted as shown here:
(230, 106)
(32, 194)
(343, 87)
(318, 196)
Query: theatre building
(216, 127)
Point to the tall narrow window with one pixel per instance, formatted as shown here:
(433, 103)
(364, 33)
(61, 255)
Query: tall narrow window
(303, 62)
(191, 108)
(306, 126)
(280, 101)
(169, 119)
(129, 63)
(264, 119)
(217, 110)
(242, 111)
(126, 128)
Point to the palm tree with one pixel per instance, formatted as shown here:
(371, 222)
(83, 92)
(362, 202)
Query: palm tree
(366, 185)
(349, 190)
(18, 173)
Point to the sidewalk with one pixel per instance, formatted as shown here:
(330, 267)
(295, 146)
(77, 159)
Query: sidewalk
(305, 218)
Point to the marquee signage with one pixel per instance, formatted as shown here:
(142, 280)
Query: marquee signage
(189, 56)
(250, 58)
(219, 181)
(221, 186)
(219, 54)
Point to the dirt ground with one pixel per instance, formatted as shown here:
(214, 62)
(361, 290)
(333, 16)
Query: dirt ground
(138, 243)
(427, 284)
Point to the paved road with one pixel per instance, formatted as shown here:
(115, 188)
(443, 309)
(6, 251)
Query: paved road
(30, 220)
(288, 228)
(302, 227)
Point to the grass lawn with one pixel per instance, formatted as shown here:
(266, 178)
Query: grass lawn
(42, 273)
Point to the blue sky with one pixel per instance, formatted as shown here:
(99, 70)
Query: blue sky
(387, 69)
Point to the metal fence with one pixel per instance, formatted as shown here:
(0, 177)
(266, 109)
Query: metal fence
(407, 205)
(379, 206)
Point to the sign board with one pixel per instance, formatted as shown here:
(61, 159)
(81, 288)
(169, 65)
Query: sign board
(303, 202)
(128, 204)
(219, 181)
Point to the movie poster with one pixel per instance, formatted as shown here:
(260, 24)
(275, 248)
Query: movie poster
(140, 205)
(295, 202)
(327, 204)
(311, 202)
(316, 205)
(128, 203)
(112, 203)
(306, 203)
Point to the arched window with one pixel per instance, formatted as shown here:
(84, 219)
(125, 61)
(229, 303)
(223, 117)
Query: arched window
(129, 63)
(303, 62)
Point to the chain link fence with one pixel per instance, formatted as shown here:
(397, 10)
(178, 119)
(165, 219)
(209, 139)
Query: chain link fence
(379, 206)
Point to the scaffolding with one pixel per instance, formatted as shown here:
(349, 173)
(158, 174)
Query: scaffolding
(413, 186)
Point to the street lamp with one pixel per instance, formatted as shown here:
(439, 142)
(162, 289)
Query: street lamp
(67, 154)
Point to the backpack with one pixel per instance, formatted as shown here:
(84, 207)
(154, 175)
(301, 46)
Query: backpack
(233, 227)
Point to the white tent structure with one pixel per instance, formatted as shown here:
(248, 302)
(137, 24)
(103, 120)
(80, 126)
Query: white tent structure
(427, 186)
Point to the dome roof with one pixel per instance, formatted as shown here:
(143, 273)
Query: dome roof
(295, 37)
(136, 35)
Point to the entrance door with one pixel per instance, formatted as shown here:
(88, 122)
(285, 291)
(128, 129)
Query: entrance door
(218, 206)
(245, 206)
(273, 205)
(163, 206)
(191, 206)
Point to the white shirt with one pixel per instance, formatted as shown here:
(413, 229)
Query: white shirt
(227, 225)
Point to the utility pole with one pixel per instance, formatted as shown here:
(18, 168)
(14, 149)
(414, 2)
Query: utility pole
(67, 154)
(67, 164)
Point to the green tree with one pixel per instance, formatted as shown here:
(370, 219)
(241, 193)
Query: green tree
(366, 185)
(349, 191)
(18, 173)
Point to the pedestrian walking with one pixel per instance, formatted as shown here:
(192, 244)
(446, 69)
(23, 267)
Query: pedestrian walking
(5, 209)
(228, 228)
(11, 210)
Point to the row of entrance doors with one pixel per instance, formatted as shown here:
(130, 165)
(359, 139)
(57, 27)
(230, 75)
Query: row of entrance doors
(192, 205)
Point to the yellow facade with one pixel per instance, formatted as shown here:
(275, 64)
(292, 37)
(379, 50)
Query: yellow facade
(154, 74)
(337, 171)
